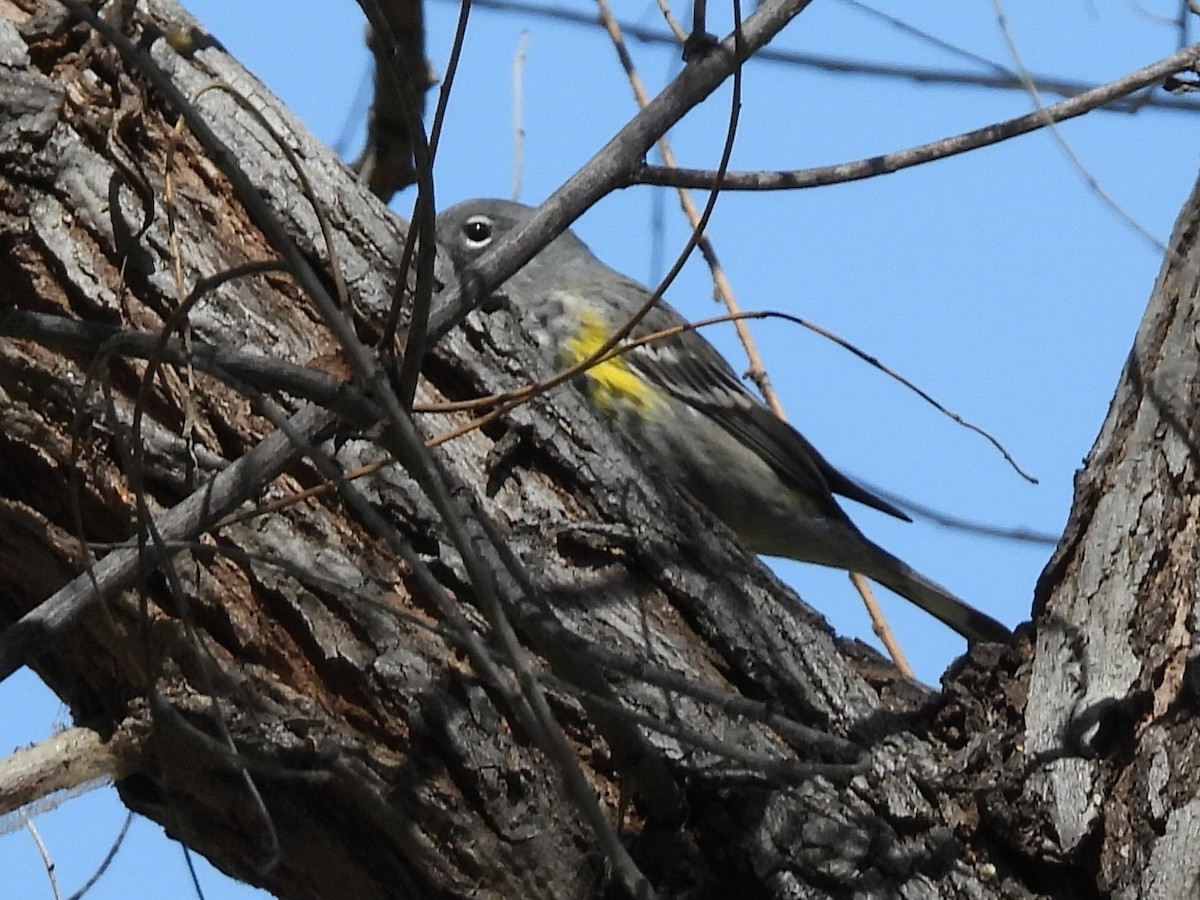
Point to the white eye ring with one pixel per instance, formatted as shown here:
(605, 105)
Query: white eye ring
(477, 232)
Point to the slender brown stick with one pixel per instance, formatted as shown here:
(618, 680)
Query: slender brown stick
(756, 371)
(879, 624)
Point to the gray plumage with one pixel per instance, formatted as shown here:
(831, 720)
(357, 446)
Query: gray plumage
(701, 426)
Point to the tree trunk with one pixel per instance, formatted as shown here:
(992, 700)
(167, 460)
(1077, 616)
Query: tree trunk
(326, 704)
(1111, 733)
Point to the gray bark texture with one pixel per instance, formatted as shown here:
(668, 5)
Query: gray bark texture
(304, 684)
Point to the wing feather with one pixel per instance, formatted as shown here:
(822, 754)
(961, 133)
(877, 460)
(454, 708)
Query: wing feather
(706, 382)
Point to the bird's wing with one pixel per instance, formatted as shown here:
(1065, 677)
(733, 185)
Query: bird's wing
(693, 372)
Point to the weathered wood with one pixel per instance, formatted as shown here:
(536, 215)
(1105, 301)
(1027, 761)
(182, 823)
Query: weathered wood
(314, 723)
(1112, 686)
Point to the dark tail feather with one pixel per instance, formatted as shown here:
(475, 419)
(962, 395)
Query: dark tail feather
(972, 624)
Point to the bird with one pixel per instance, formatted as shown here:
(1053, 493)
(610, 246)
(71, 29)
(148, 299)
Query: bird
(683, 407)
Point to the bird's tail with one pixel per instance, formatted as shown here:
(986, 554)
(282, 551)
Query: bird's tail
(972, 624)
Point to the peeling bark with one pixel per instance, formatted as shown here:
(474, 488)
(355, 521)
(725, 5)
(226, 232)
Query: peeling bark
(1114, 676)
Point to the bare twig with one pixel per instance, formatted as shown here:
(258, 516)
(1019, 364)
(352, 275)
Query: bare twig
(774, 768)
(306, 188)
(1087, 101)
(387, 341)
(392, 29)
(880, 625)
(1092, 182)
(614, 163)
(920, 392)
(474, 283)
(392, 152)
(672, 23)
(266, 374)
(118, 841)
(439, 113)
(519, 114)
(421, 230)
(756, 370)
(44, 852)
(957, 523)
(930, 39)
(1000, 78)
(484, 569)
(511, 399)
(42, 626)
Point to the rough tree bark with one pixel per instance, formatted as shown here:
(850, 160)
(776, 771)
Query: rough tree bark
(305, 708)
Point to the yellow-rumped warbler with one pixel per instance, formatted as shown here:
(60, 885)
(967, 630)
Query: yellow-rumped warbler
(681, 402)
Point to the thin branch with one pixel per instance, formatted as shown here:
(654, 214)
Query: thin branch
(615, 162)
(771, 768)
(931, 39)
(672, 23)
(519, 113)
(401, 437)
(805, 739)
(1091, 180)
(528, 701)
(387, 341)
(456, 47)
(514, 398)
(37, 630)
(757, 371)
(473, 283)
(891, 373)
(395, 148)
(406, 87)
(263, 373)
(957, 523)
(1007, 81)
(1095, 98)
(117, 843)
(880, 625)
(297, 167)
(44, 852)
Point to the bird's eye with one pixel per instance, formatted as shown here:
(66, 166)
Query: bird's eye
(478, 231)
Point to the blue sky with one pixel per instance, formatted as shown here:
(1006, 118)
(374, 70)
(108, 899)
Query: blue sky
(998, 281)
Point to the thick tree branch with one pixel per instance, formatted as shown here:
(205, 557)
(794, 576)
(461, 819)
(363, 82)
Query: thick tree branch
(368, 691)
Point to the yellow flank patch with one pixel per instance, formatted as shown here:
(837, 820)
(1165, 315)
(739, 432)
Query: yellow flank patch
(613, 385)
(799, 498)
